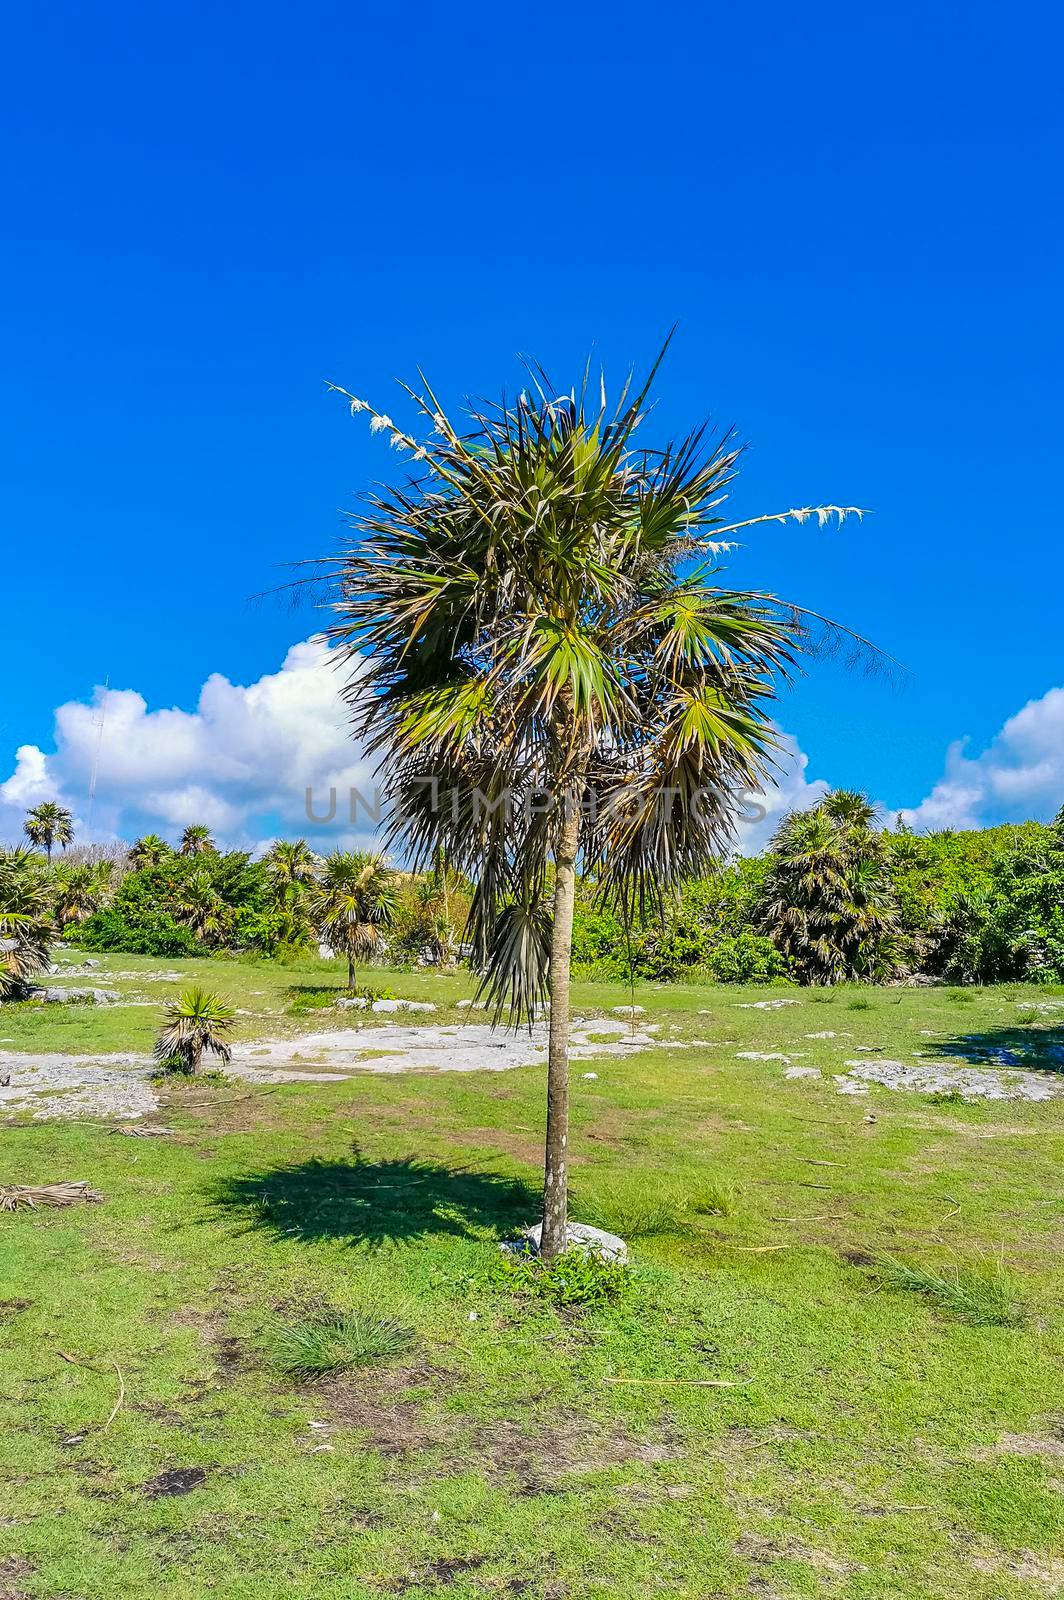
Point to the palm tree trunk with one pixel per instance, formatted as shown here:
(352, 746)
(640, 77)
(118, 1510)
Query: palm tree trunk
(556, 1183)
(350, 972)
(197, 1052)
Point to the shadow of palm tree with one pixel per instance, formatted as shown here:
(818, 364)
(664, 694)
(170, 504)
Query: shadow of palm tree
(376, 1202)
(1033, 1049)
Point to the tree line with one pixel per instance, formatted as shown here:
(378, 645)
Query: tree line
(835, 898)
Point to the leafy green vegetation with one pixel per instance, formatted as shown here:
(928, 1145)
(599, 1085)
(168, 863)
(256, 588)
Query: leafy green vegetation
(571, 1278)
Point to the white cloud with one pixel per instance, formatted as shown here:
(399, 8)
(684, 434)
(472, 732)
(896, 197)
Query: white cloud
(788, 790)
(241, 762)
(1019, 775)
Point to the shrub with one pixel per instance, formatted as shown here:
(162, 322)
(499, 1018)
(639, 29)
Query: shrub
(980, 1297)
(154, 933)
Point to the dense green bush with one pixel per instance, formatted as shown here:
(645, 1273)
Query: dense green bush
(184, 905)
(151, 933)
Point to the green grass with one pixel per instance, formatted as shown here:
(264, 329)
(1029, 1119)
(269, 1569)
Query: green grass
(983, 1298)
(321, 1343)
(760, 1411)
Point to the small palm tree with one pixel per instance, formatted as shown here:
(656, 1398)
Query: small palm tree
(292, 867)
(550, 671)
(49, 824)
(290, 862)
(354, 900)
(148, 851)
(196, 840)
(80, 890)
(195, 1023)
(25, 922)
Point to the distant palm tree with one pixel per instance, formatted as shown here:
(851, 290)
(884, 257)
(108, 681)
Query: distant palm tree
(148, 851)
(290, 862)
(25, 922)
(202, 908)
(80, 890)
(196, 840)
(433, 924)
(49, 824)
(195, 1023)
(292, 867)
(355, 898)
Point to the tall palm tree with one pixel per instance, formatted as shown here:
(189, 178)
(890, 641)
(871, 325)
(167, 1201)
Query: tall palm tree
(829, 904)
(49, 824)
(548, 669)
(196, 840)
(148, 851)
(292, 867)
(354, 900)
(25, 922)
(195, 1023)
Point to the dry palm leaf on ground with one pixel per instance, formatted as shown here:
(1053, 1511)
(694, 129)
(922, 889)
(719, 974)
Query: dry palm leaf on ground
(15, 1196)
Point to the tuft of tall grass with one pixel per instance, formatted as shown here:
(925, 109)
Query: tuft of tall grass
(981, 1297)
(324, 1343)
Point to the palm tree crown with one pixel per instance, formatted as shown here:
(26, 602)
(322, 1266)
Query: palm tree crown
(196, 840)
(829, 905)
(49, 824)
(25, 922)
(149, 851)
(80, 890)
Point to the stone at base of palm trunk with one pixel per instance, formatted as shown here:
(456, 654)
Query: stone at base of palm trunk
(578, 1236)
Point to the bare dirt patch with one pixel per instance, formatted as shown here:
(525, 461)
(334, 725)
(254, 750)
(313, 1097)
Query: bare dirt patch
(1041, 1571)
(541, 1456)
(175, 1481)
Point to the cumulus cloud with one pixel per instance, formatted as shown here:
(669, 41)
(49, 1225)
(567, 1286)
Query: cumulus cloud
(789, 789)
(241, 762)
(1019, 775)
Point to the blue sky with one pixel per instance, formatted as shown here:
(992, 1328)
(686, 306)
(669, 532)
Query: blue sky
(854, 215)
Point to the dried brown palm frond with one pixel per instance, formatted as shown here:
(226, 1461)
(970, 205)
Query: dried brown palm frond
(144, 1130)
(33, 1197)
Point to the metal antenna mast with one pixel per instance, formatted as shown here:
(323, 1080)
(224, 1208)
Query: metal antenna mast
(100, 720)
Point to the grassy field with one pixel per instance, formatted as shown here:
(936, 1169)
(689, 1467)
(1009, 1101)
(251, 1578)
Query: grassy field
(874, 1441)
